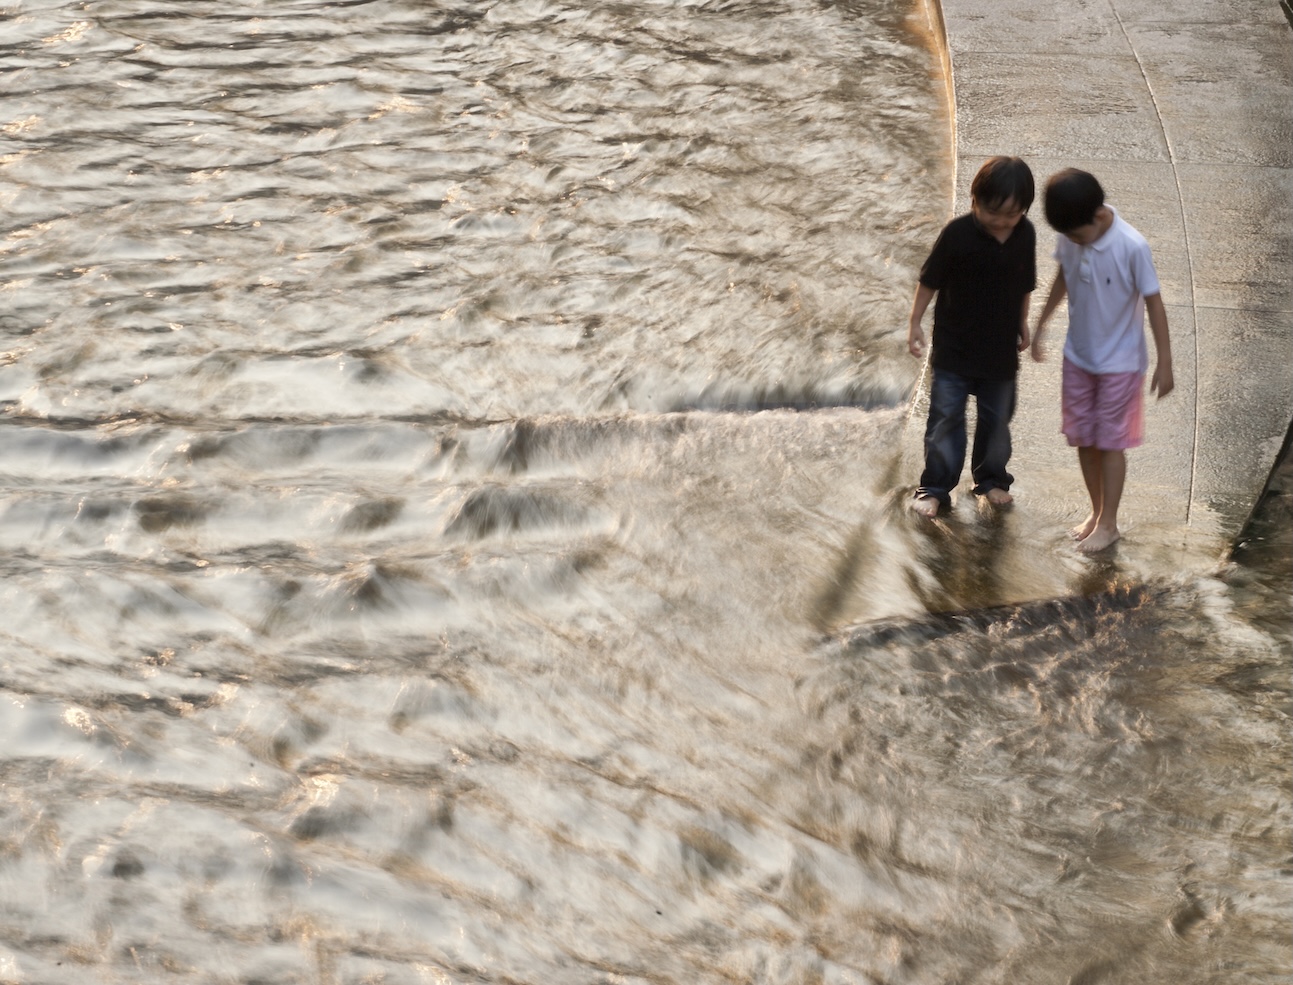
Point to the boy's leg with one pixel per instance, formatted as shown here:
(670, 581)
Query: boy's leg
(995, 402)
(1105, 474)
(944, 441)
(1089, 458)
(1112, 475)
(1079, 424)
(1119, 416)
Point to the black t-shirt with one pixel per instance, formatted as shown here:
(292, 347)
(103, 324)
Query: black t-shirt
(981, 286)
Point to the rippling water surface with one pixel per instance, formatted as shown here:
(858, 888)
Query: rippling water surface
(449, 531)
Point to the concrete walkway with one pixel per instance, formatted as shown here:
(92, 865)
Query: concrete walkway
(1184, 111)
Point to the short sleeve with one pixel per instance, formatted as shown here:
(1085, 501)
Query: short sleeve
(1030, 277)
(933, 273)
(1142, 270)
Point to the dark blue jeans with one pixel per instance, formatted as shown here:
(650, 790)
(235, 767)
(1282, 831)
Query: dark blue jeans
(994, 401)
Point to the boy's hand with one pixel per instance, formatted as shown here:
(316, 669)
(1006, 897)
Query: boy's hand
(916, 341)
(1039, 354)
(1023, 338)
(1163, 382)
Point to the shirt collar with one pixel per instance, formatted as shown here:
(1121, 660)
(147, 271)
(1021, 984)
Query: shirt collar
(1105, 241)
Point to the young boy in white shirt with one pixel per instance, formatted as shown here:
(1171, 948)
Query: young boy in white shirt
(1107, 273)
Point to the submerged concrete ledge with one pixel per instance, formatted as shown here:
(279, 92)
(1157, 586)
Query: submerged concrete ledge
(1184, 111)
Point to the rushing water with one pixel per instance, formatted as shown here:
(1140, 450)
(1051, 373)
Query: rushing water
(449, 531)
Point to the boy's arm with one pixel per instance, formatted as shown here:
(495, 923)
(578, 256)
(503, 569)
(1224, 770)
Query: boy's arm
(1058, 291)
(1023, 321)
(1163, 381)
(916, 337)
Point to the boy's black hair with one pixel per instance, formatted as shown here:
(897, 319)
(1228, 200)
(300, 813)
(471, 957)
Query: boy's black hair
(1072, 198)
(1003, 179)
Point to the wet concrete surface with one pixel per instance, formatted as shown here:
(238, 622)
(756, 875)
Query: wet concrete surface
(1184, 111)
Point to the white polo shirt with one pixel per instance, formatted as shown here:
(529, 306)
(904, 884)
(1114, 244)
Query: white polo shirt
(1107, 283)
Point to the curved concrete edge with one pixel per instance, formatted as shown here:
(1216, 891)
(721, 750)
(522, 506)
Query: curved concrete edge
(1273, 507)
(1185, 113)
(933, 11)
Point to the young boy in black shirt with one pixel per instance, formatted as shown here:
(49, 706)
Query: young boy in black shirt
(983, 269)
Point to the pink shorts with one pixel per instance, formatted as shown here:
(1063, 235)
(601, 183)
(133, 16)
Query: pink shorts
(1102, 410)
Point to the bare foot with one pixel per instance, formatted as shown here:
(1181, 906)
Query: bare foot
(926, 505)
(1083, 530)
(1098, 540)
(999, 497)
